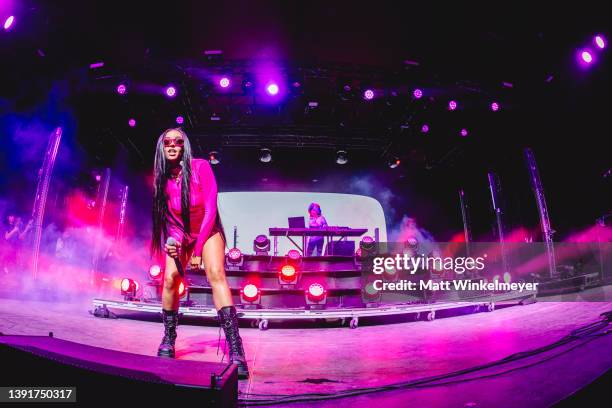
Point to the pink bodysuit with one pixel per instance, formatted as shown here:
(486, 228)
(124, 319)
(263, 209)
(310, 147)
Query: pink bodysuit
(202, 209)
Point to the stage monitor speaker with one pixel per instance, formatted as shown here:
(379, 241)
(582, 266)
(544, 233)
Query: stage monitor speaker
(103, 376)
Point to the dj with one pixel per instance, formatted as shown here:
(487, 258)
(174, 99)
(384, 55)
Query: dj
(316, 220)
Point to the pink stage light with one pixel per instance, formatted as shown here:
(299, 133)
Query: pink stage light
(224, 82)
(132, 122)
(586, 57)
(495, 106)
(180, 120)
(234, 255)
(368, 94)
(155, 271)
(464, 132)
(418, 94)
(170, 91)
(250, 292)
(316, 292)
(121, 89)
(600, 41)
(9, 22)
(272, 89)
(452, 105)
(425, 128)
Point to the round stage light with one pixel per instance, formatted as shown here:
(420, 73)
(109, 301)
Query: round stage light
(316, 292)
(121, 89)
(425, 128)
(250, 292)
(265, 155)
(417, 93)
(272, 89)
(452, 105)
(494, 106)
(180, 120)
(129, 287)
(155, 271)
(586, 57)
(341, 157)
(294, 255)
(132, 122)
(261, 244)
(234, 255)
(170, 91)
(600, 41)
(464, 132)
(182, 289)
(224, 82)
(8, 23)
(125, 284)
(213, 157)
(370, 292)
(368, 94)
(287, 273)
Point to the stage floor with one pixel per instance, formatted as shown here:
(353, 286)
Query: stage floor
(323, 360)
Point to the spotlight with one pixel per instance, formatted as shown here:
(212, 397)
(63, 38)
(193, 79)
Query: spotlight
(265, 155)
(370, 295)
(341, 157)
(234, 255)
(417, 93)
(464, 132)
(224, 82)
(272, 89)
(9, 22)
(586, 57)
(600, 41)
(129, 287)
(180, 120)
(261, 245)
(316, 296)
(494, 106)
(170, 91)
(294, 256)
(287, 275)
(132, 122)
(452, 105)
(213, 157)
(368, 94)
(394, 162)
(425, 128)
(367, 247)
(251, 296)
(155, 271)
(121, 89)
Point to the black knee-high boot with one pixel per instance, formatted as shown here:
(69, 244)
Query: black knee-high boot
(170, 319)
(229, 322)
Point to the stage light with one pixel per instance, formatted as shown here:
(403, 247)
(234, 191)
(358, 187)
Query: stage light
(425, 128)
(600, 41)
(370, 295)
(367, 247)
(132, 122)
(224, 82)
(182, 289)
(586, 57)
(155, 271)
(265, 155)
(394, 162)
(234, 255)
(464, 132)
(452, 105)
(170, 91)
(316, 296)
(213, 157)
(129, 287)
(272, 89)
(288, 275)
(368, 94)
(8, 23)
(251, 296)
(341, 157)
(180, 120)
(294, 255)
(121, 89)
(417, 93)
(494, 106)
(261, 245)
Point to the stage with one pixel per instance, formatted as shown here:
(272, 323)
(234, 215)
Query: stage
(291, 361)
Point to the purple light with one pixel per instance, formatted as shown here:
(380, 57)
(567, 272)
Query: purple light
(224, 82)
(494, 106)
(418, 94)
(9, 22)
(368, 94)
(425, 128)
(464, 132)
(600, 41)
(452, 105)
(98, 177)
(272, 89)
(121, 89)
(586, 57)
(180, 120)
(171, 91)
(132, 122)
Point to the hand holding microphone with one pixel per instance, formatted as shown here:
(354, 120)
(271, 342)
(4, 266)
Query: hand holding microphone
(172, 249)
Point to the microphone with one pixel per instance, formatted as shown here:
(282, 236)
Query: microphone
(172, 242)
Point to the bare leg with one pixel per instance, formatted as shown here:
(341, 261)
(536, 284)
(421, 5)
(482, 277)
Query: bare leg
(172, 280)
(214, 262)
